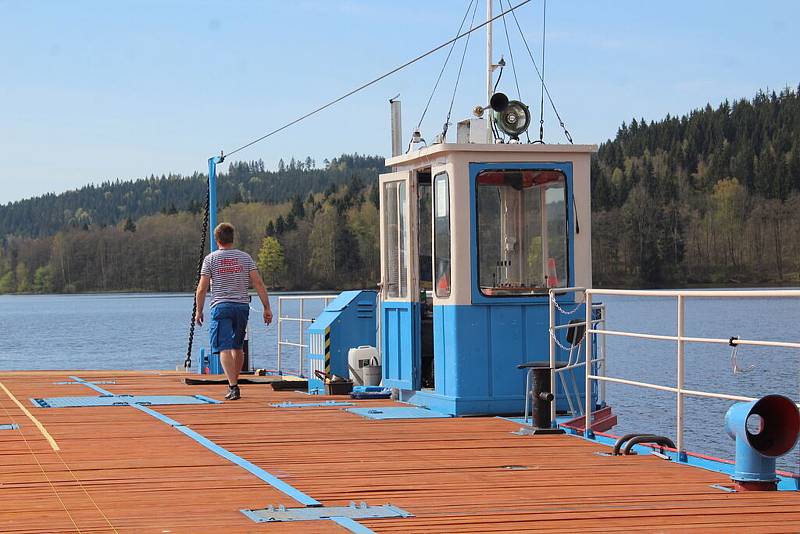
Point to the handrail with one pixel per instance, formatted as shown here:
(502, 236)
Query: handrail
(553, 328)
(302, 320)
(681, 339)
(738, 293)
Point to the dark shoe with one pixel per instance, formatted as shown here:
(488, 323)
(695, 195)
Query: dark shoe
(233, 393)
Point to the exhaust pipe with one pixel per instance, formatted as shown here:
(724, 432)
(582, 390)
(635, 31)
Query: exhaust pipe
(397, 127)
(763, 430)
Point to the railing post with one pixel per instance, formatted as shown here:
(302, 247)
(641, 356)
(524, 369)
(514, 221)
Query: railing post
(680, 373)
(587, 429)
(280, 331)
(302, 329)
(553, 384)
(604, 362)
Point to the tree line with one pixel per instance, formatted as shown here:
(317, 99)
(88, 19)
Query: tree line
(711, 197)
(325, 240)
(112, 202)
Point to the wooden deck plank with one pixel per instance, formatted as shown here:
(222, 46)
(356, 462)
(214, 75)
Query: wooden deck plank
(122, 470)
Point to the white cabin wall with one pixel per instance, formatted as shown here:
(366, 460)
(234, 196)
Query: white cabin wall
(456, 159)
(581, 168)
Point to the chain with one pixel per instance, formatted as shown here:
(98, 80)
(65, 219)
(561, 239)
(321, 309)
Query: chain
(188, 362)
(562, 310)
(555, 338)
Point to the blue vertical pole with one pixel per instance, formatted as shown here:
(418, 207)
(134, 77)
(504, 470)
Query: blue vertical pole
(212, 198)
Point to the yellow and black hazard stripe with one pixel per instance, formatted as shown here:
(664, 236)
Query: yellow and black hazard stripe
(328, 352)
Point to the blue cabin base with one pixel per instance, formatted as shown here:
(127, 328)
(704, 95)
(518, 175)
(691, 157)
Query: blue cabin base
(477, 350)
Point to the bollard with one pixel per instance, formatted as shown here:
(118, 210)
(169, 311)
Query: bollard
(541, 393)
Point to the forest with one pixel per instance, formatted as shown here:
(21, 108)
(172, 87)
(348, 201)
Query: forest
(708, 198)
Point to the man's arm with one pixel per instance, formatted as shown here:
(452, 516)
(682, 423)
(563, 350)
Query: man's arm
(200, 297)
(258, 285)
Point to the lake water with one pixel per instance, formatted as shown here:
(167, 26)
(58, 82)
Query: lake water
(149, 331)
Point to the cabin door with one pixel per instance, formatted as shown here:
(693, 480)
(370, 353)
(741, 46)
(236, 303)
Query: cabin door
(400, 319)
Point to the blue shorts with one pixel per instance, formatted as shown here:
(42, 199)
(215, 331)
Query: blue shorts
(227, 327)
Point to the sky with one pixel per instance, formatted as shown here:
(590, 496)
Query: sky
(96, 90)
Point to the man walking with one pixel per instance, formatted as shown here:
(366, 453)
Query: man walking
(228, 272)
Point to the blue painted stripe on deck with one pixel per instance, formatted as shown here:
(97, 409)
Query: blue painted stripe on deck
(253, 469)
(9, 427)
(272, 480)
(352, 525)
(207, 399)
(160, 416)
(93, 386)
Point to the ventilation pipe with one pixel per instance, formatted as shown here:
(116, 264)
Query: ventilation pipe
(764, 430)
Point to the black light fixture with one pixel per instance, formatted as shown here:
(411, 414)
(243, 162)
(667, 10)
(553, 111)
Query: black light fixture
(511, 116)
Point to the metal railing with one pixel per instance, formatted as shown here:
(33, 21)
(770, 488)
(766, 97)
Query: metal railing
(681, 339)
(576, 363)
(303, 321)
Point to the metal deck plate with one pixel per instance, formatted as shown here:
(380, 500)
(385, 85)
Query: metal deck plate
(310, 404)
(316, 513)
(120, 400)
(9, 427)
(397, 412)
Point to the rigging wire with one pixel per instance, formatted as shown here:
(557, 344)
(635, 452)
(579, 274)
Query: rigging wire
(513, 65)
(446, 60)
(458, 76)
(544, 41)
(544, 85)
(376, 80)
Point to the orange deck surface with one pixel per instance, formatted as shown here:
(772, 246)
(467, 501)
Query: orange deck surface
(121, 470)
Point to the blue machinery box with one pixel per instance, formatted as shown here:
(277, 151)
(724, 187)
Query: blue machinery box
(347, 322)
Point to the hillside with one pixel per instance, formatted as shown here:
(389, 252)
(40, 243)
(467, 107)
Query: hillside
(711, 197)
(112, 202)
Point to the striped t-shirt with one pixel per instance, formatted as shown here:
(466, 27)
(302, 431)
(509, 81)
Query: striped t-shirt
(229, 270)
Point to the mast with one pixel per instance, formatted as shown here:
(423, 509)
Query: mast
(489, 70)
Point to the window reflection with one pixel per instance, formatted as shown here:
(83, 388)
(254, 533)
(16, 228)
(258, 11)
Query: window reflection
(522, 231)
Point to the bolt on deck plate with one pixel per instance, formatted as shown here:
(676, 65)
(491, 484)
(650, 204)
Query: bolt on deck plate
(120, 400)
(310, 404)
(316, 513)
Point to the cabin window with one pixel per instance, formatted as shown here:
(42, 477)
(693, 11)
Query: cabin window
(441, 234)
(396, 245)
(522, 231)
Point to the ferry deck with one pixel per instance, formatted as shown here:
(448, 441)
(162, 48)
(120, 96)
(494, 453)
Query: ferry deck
(194, 468)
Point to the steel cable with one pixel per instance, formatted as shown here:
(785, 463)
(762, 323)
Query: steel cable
(375, 80)
(458, 77)
(513, 65)
(544, 85)
(446, 60)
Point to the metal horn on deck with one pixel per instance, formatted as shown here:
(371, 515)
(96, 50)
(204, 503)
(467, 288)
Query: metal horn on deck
(764, 430)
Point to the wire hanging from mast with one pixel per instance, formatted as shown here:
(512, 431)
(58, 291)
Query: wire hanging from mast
(513, 65)
(376, 80)
(446, 60)
(541, 104)
(544, 85)
(458, 77)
